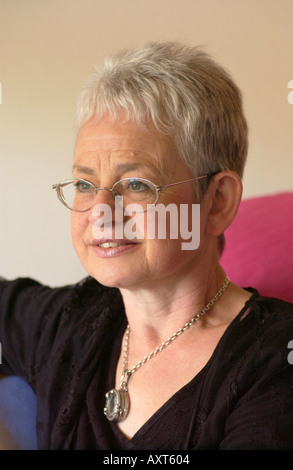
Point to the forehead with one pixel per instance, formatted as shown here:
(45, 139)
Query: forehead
(119, 141)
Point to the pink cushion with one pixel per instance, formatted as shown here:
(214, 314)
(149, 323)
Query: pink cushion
(259, 246)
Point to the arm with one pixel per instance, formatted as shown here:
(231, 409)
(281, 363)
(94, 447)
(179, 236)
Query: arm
(262, 421)
(263, 417)
(29, 314)
(246, 400)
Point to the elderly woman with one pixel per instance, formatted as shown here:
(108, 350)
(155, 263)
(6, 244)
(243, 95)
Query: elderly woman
(156, 349)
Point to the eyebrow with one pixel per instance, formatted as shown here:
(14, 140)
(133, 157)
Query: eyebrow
(121, 167)
(83, 169)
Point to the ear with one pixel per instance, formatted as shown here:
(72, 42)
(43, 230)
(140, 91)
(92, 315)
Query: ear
(223, 199)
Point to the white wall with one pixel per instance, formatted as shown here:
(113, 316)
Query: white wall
(47, 50)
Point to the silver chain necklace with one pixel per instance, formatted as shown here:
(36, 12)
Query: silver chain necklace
(117, 401)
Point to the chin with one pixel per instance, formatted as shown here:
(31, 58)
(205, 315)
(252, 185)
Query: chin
(112, 277)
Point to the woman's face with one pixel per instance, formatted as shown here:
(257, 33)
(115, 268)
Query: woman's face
(109, 151)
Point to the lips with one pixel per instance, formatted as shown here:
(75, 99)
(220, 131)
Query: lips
(109, 243)
(108, 248)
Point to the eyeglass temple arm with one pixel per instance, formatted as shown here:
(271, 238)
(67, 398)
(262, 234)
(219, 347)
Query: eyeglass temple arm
(63, 183)
(185, 181)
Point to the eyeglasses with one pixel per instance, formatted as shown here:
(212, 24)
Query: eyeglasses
(79, 195)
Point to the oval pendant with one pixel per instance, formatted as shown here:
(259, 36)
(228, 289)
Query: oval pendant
(116, 405)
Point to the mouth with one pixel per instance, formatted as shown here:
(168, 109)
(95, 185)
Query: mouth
(110, 248)
(112, 243)
(108, 245)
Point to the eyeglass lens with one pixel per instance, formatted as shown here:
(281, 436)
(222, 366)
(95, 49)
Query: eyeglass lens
(80, 195)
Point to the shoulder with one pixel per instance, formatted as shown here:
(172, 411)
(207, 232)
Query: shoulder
(271, 304)
(24, 296)
(259, 343)
(22, 293)
(274, 332)
(269, 315)
(253, 354)
(40, 324)
(94, 300)
(263, 312)
(256, 343)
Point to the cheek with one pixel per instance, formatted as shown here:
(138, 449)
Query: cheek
(79, 223)
(165, 256)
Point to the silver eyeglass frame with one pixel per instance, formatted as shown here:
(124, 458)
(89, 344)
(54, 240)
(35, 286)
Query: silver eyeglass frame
(158, 188)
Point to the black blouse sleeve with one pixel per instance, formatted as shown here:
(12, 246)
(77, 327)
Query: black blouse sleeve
(246, 400)
(29, 317)
(262, 417)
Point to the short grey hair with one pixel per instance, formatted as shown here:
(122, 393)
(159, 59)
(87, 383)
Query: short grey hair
(183, 92)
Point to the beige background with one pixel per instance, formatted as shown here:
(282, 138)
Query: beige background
(47, 50)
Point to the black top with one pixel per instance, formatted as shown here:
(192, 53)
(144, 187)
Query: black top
(66, 342)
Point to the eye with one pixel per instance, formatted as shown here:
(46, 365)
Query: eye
(137, 186)
(83, 186)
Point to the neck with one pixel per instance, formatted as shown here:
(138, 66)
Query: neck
(154, 312)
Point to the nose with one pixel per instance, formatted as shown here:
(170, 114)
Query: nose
(103, 206)
(107, 211)
(102, 195)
